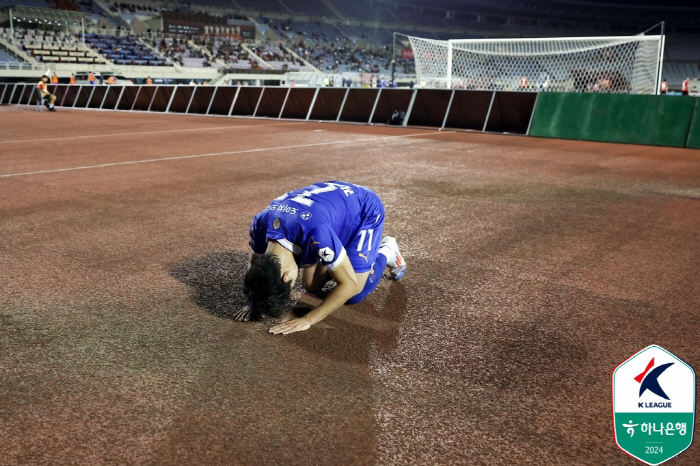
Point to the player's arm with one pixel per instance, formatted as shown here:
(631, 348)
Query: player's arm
(347, 287)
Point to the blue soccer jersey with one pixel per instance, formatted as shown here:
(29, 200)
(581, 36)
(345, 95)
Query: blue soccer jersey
(325, 223)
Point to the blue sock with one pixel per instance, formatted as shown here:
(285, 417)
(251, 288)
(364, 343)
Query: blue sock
(372, 280)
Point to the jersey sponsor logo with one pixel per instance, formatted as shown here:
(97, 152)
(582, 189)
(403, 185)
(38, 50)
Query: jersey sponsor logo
(305, 215)
(326, 254)
(283, 208)
(276, 223)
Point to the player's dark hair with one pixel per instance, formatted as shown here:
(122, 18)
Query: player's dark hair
(267, 293)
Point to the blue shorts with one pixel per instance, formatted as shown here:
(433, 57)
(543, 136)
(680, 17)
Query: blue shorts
(362, 249)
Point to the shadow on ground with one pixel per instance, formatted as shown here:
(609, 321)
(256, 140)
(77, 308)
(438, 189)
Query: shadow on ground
(216, 281)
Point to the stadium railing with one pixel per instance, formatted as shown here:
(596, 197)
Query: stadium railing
(657, 120)
(503, 112)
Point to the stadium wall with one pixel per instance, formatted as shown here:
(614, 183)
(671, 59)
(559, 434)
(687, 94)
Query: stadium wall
(693, 140)
(484, 111)
(636, 119)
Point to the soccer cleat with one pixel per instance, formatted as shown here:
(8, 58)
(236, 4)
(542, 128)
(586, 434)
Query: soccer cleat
(397, 266)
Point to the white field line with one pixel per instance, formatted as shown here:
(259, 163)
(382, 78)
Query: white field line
(214, 154)
(89, 136)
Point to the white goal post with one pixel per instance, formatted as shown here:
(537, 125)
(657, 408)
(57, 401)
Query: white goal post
(619, 64)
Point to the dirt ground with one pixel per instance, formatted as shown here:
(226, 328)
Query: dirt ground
(534, 268)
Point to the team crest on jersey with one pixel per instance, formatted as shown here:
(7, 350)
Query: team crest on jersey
(305, 215)
(326, 254)
(276, 223)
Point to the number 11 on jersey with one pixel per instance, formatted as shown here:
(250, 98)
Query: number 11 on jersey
(363, 234)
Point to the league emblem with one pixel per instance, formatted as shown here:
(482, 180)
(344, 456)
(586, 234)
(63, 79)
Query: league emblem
(653, 401)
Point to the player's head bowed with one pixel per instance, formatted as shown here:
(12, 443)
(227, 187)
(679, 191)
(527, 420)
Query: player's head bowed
(265, 289)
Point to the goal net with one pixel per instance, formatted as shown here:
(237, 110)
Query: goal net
(627, 64)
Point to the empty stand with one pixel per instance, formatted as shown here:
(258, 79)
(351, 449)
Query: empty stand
(120, 50)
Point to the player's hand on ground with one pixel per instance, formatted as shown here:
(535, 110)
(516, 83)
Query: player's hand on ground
(291, 326)
(243, 315)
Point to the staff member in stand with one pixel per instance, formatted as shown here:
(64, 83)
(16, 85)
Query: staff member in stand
(54, 78)
(91, 78)
(523, 83)
(72, 78)
(149, 81)
(110, 80)
(685, 87)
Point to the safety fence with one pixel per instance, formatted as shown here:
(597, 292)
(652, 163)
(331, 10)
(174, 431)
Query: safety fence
(638, 119)
(489, 111)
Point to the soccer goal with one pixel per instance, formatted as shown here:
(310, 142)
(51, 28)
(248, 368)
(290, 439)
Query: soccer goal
(621, 64)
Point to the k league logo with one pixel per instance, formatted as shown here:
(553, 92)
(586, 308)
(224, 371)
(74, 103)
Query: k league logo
(653, 404)
(651, 381)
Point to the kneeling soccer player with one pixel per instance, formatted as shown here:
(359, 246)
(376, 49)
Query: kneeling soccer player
(332, 230)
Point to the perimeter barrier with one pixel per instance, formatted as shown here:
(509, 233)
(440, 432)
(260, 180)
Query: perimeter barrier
(638, 119)
(693, 140)
(490, 111)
